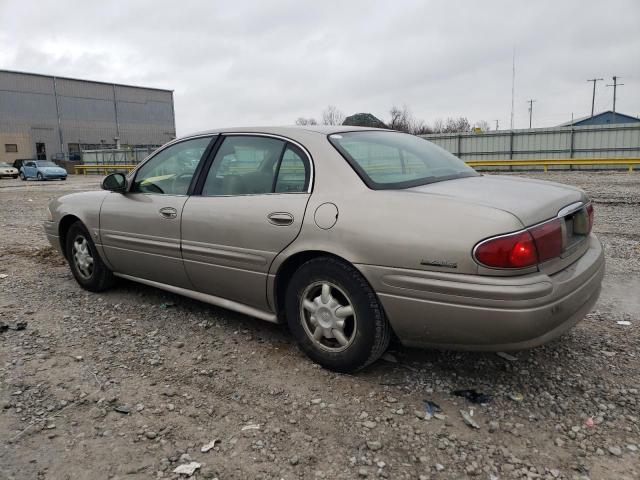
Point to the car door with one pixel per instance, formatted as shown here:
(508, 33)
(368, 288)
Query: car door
(140, 229)
(250, 206)
(30, 169)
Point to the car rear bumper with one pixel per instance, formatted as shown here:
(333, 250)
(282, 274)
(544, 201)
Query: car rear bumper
(473, 312)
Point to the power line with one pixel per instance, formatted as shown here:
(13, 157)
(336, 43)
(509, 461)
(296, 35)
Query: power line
(615, 85)
(531, 102)
(593, 98)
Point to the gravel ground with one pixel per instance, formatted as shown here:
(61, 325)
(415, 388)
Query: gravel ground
(133, 382)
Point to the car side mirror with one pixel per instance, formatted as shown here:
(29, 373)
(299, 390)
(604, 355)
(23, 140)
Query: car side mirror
(115, 182)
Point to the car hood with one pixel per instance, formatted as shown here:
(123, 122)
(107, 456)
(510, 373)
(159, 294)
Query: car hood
(531, 201)
(52, 169)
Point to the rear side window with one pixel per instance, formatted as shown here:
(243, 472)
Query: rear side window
(293, 174)
(388, 160)
(253, 165)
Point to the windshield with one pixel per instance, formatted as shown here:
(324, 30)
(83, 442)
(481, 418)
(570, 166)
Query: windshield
(4, 165)
(387, 160)
(45, 163)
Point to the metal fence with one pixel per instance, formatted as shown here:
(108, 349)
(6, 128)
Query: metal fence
(131, 156)
(598, 141)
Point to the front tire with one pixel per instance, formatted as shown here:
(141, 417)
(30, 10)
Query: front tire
(14, 176)
(335, 315)
(85, 263)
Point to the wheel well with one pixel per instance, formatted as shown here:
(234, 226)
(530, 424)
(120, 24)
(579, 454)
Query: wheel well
(63, 228)
(287, 269)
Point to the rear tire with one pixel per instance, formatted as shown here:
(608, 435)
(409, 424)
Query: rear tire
(22, 177)
(40, 177)
(86, 265)
(335, 315)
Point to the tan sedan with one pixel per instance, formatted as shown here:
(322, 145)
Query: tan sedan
(349, 235)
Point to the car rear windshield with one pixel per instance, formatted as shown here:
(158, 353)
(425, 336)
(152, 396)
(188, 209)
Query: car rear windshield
(392, 160)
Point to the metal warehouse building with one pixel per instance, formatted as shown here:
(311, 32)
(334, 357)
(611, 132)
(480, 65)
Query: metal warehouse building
(50, 117)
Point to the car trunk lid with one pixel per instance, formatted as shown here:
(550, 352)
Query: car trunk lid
(531, 201)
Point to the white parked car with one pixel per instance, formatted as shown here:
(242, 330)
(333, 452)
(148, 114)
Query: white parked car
(7, 170)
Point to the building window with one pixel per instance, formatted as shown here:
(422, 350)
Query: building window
(10, 148)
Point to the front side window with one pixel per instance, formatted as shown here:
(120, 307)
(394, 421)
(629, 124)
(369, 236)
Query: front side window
(170, 171)
(248, 165)
(388, 160)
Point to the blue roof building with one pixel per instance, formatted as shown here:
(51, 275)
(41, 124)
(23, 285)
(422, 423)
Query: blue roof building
(608, 117)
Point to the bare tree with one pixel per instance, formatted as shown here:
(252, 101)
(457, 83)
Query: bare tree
(401, 119)
(456, 125)
(419, 127)
(332, 116)
(437, 126)
(306, 121)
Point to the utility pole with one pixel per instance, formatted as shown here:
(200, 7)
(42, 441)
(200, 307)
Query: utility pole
(497, 124)
(531, 102)
(593, 98)
(615, 85)
(513, 83)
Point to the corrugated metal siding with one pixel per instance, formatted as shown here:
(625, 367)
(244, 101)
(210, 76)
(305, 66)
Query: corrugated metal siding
(611, 141)
(87, 112)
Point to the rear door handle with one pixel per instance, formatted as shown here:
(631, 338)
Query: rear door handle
(168, 212)
(280, 218)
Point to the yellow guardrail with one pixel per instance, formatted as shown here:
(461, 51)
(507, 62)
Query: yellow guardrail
(102, 169)
(629, 162)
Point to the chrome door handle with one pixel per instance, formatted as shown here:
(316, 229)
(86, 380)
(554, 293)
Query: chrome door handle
(168, 212)
(280, 218)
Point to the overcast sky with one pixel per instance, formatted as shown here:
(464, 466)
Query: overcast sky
(269, 62)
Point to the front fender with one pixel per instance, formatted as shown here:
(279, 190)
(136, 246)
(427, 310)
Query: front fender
(84, 206)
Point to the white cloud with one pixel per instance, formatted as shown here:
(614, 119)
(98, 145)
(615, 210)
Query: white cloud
(270, 62)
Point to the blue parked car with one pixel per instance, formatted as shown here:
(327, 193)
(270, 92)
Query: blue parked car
(41, 170)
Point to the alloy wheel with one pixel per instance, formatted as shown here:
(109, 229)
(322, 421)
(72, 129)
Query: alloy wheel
(82, 257)
(328, 316)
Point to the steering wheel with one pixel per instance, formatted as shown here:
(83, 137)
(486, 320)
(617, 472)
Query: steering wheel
(176, 182)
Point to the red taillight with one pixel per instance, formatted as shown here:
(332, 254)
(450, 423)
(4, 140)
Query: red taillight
(548, 238)
(590, 215)
(522, 249)
(517, 250)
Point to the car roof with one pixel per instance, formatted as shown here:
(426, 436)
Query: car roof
(288, 131)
